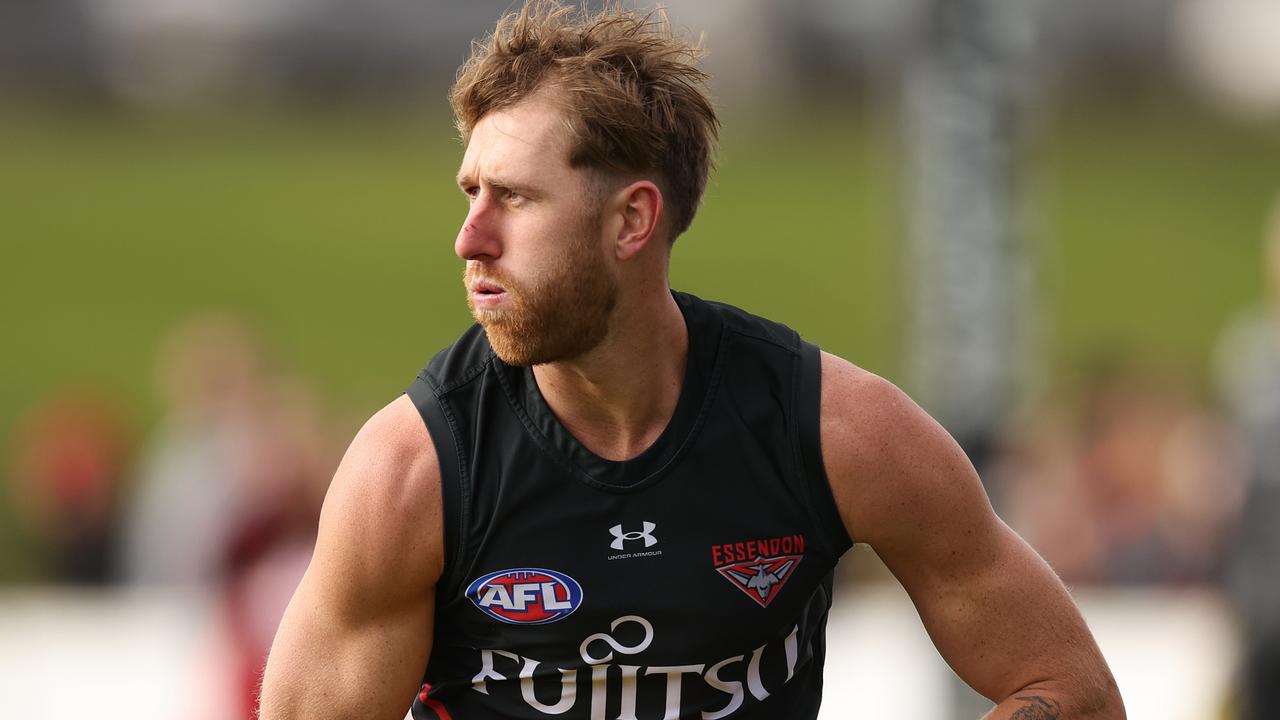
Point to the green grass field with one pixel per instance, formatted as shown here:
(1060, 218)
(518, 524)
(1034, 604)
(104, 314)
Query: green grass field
(334, 237)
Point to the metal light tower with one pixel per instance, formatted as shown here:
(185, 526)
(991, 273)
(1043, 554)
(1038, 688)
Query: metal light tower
(964, 100)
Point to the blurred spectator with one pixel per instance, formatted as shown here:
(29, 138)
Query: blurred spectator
(69, 455)
(231, 485)
(271, 545)
(194, 469)
(236, 443)
(1142, 486)
(1249, 375)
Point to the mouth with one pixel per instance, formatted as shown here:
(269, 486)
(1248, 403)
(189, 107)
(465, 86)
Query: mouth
(484, 287)
(486, 293)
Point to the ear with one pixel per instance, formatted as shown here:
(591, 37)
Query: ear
(640, 206)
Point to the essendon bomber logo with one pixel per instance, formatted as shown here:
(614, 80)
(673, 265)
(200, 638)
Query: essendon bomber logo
(526, 596)
(759, 568)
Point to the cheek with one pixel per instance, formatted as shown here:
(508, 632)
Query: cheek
(555, 247)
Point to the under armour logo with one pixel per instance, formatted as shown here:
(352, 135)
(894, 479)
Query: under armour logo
(622, 537)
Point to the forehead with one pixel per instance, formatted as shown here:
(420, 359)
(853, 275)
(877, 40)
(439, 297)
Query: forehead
(530, 138)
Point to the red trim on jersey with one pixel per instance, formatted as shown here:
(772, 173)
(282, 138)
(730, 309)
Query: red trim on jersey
(437, 708)
(432, 704)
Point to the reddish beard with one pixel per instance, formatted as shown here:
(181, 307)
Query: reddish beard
(553, 317)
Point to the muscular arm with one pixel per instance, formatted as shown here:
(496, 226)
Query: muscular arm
(995, 610)
(357, 634)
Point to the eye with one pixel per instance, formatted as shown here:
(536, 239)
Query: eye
(471, 191)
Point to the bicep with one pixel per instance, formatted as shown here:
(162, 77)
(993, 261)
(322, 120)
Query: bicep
(994, 609)
(356, 636)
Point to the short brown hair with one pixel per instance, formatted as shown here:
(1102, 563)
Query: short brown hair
(638, 103)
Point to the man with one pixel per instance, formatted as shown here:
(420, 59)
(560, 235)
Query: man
(627, 502)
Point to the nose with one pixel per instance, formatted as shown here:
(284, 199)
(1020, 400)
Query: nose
(478, 238)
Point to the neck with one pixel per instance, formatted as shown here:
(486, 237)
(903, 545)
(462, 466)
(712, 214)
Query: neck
(619, 397)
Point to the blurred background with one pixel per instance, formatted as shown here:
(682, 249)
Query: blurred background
(226, 236)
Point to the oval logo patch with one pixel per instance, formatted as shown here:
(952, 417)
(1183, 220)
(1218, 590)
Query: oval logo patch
(526, 596)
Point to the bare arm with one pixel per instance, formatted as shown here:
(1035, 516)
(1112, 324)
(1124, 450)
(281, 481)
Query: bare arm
(995, 610)
(356, 637)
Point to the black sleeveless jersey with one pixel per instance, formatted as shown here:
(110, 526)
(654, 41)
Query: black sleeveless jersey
(692, 581)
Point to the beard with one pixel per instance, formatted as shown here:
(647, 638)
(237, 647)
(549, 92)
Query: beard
(559, 315)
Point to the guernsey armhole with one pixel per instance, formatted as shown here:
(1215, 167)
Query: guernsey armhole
(809, 421)
(434, 413)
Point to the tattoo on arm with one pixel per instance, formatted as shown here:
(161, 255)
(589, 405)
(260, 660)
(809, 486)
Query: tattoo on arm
(1037, 708)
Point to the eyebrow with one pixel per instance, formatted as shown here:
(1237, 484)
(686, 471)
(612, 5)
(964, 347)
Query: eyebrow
(464, 180)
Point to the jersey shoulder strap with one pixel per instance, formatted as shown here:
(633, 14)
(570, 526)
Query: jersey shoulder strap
(801, 362)
(453, 371)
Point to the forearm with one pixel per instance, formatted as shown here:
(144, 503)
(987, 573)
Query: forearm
(308, 680)
(335, 684)
(323, 666)
(1038, 703)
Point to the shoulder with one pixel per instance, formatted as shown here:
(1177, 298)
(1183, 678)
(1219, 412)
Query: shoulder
(887, 460)
(868, 421)
(382, 519)
(741, 323)
(392, 453)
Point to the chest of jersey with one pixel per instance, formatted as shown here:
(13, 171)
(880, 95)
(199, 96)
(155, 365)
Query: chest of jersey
(691, 581)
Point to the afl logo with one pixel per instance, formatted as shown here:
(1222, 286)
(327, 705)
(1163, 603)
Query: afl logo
(526, 596)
